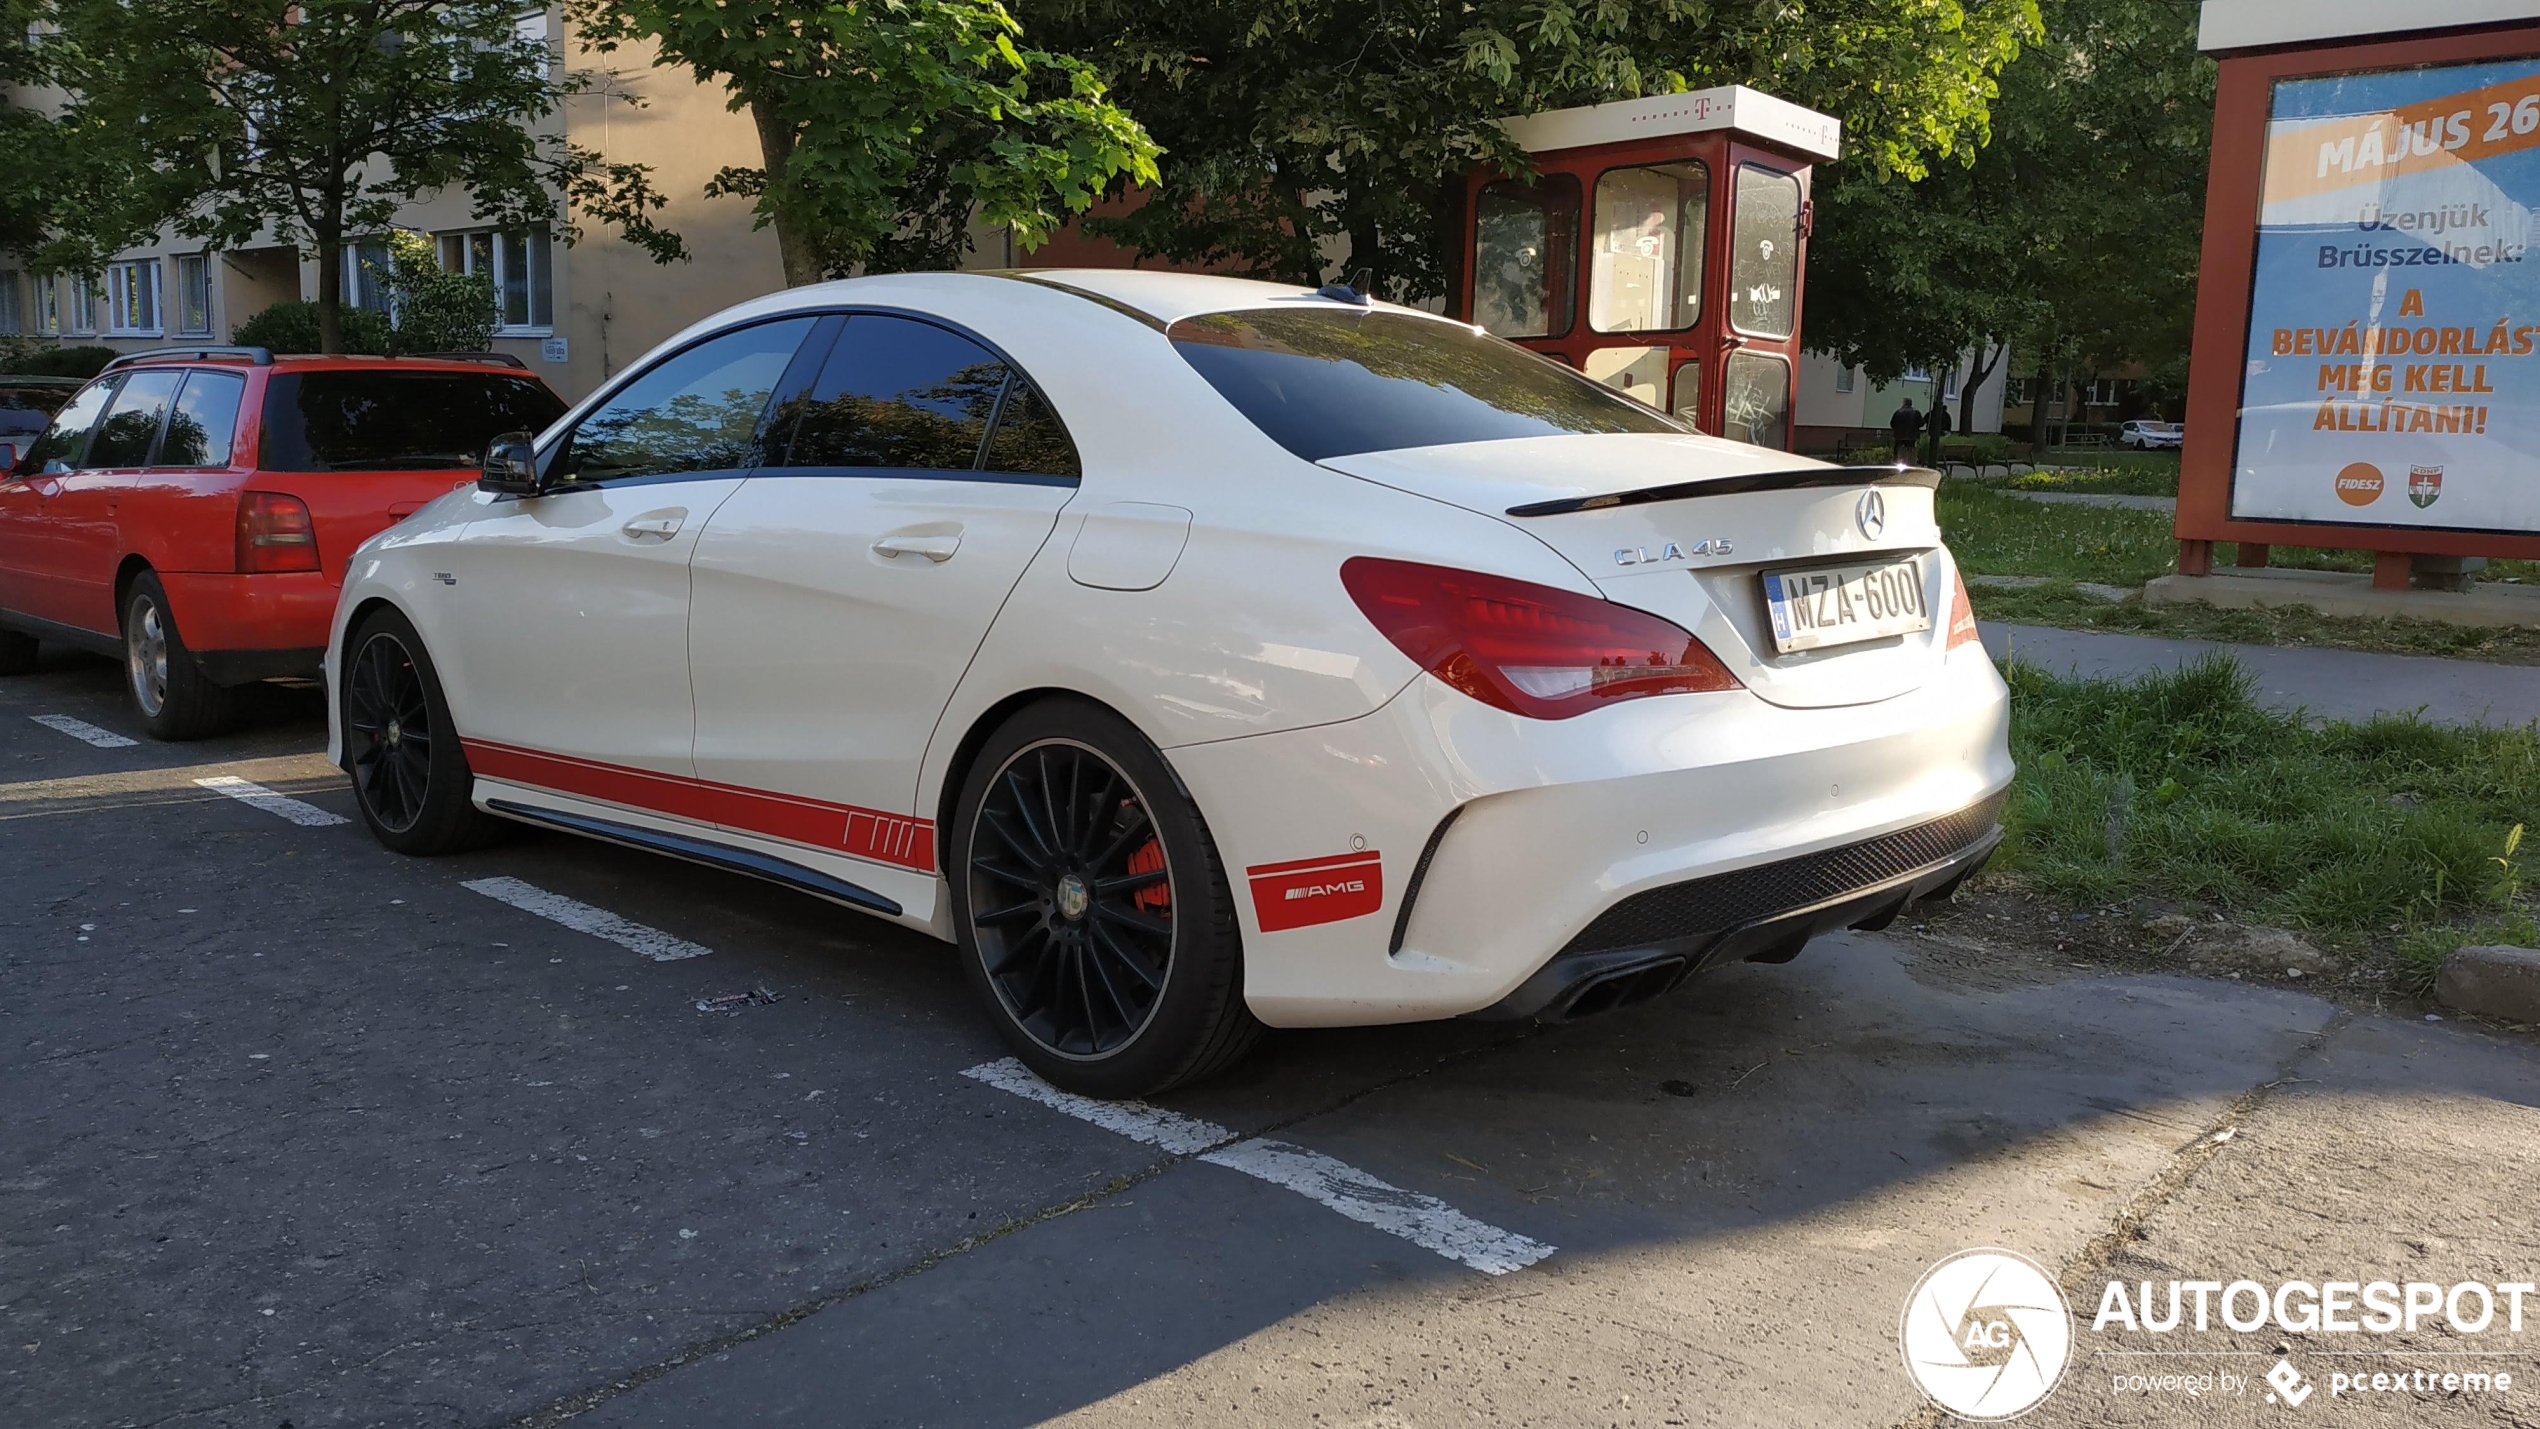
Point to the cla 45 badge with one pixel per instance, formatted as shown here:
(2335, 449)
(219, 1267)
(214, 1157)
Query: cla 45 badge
(1674, 551)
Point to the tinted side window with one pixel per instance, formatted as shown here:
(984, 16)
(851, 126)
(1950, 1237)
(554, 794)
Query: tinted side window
(205, 419)
(387, 419)
(67, 438)
(697, 410)
(896, 393)
(1029, 437)
(132, 420)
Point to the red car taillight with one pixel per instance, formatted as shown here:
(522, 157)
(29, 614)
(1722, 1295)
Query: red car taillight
(275, 534)
(1528, 649)
(1962, 615)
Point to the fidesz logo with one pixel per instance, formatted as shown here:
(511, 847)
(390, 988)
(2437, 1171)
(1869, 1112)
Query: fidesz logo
(1326, 890)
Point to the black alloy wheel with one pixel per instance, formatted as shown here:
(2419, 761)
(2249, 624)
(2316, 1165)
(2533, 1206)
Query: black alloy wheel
(1072, 899)
(389, 732)
(410, 775)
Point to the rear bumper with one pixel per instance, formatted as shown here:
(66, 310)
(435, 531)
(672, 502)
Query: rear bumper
(1655, 939)
(1452, 853)
(246, 628)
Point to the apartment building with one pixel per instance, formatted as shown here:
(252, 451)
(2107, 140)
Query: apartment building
(574, 312)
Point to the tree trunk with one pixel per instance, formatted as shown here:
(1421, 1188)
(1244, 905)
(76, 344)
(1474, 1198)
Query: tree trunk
(330, 297)
(1358, 214)
(1977, 375)
(2037, 402)
(776, 150)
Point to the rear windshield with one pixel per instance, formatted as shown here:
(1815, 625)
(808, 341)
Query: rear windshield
(1324, 382)
(391, 421)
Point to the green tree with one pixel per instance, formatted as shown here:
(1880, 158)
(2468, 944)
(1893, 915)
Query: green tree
(315, 121)
(883, 125)
(434, 309)
(2072, 236)
(1301, 128)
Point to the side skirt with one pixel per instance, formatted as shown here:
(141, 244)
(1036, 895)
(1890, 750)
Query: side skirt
(704, 851)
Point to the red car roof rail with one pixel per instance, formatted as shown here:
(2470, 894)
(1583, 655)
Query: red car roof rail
(258, 356)
(500, 359)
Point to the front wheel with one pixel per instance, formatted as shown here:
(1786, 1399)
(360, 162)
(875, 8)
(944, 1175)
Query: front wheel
(1093, 915)
(410, 777)
(175, 699)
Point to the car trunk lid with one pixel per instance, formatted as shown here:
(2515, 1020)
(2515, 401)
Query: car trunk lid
(1687, 527)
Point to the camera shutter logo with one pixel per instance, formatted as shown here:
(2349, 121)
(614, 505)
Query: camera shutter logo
(1986, 1334)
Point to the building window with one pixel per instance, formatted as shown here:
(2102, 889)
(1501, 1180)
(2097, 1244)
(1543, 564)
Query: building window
(521, 270)
(48, 306)
(132, 298)
(11, 324)
(1843, 379)
(81, 318)
(367, 266)
(194, 293)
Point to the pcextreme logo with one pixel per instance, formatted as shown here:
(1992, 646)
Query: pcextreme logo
(1986, 1334)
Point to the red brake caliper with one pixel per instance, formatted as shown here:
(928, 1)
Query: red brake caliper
(1149, 859)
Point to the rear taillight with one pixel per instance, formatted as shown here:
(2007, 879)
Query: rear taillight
(275, 534)
(1962, 614)
(1528, 649)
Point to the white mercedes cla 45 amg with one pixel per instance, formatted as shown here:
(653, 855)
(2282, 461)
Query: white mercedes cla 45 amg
(1195, 654)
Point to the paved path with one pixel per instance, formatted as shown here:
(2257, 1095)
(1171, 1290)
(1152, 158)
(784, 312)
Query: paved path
(2099, 498)
(2331, 684)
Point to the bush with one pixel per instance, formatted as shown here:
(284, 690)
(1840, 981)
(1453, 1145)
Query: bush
(437, 311)
(25, 357)
(293, 327)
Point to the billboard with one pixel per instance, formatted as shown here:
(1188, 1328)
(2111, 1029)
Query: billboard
(2393, 371)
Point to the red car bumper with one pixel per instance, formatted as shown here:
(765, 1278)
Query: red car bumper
(253, 627)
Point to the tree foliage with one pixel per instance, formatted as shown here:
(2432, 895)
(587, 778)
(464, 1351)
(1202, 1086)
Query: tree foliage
(315, 121)
(1302, 129)
(885, 124)
(2073, 233)
(433, 309)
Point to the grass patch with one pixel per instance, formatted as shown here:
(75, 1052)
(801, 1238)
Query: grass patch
(2001, 535)
(2062, 606)
(2180, 785)
(2110, 473)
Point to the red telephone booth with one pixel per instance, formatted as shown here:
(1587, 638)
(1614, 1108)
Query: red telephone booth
(1683, 220)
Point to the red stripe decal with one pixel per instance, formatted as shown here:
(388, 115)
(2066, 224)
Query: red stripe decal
(872, 834)
(1308, 891)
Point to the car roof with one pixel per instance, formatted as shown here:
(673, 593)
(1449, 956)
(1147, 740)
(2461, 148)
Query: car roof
(1159, 299)
(317, 362)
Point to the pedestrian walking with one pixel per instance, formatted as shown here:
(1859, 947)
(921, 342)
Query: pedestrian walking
(1905, 426)
(1935, 427)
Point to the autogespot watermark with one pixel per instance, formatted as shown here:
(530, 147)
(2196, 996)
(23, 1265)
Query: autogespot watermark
(1987, 1335)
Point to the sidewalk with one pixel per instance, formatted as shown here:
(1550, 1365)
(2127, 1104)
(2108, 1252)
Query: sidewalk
(2350, 685)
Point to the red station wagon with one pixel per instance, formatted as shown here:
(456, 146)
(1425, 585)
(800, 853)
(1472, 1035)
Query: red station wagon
(191, 511)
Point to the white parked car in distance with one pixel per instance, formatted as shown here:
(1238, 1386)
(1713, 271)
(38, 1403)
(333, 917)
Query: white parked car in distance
(2151, 436)
(1196, 654)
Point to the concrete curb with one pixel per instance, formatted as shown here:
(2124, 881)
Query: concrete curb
(2492, 982)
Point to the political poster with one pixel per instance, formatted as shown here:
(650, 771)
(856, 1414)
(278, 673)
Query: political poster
(2393, 371)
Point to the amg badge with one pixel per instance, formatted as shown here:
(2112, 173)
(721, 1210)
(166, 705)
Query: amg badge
(1316, 890)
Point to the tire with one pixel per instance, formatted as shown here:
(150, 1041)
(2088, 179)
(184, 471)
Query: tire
(410, 777)
(17, 652)
(1061, 931)
(175, 700)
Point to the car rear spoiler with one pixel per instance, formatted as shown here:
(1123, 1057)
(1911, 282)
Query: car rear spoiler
(1729, 485)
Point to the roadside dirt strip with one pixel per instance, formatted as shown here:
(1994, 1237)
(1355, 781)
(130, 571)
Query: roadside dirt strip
(561, 1133)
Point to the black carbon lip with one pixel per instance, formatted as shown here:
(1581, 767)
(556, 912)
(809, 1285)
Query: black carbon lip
(1791, 480)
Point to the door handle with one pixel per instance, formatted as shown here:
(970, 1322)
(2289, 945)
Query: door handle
(938, 549)
(663, 527)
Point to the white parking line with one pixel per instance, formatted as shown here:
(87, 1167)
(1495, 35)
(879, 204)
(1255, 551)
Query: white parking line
(307, 816)
(653, 943)
(1423, 1220)
(84, 732)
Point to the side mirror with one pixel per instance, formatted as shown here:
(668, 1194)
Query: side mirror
(511, 466)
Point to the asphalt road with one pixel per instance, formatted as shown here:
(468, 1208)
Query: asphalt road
(295, 1131)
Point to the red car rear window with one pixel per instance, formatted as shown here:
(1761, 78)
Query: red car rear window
(396, 421)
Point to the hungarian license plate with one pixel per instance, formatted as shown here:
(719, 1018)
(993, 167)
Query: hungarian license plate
(1838, 605)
